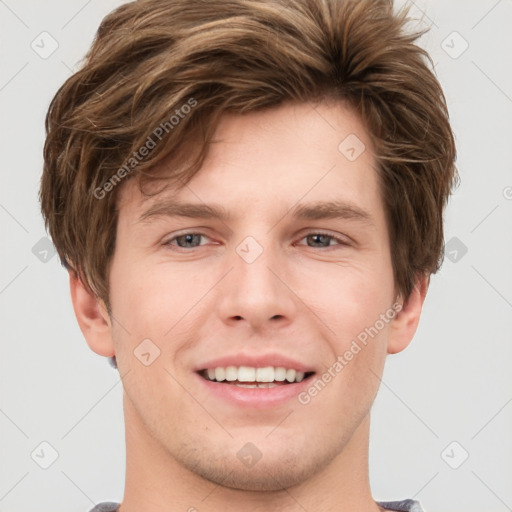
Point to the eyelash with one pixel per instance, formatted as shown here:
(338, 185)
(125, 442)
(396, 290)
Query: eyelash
(322, 233)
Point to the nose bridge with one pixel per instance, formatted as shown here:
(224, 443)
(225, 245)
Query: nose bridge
(253, 291)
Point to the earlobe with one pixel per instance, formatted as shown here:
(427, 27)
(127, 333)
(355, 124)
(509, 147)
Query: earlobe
(92, 317)
(404, 324)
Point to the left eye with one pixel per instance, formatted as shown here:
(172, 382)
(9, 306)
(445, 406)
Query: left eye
(192, 240)
(323, 239)
(187, 238)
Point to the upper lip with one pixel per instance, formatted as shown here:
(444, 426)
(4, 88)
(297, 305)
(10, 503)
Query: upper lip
(256, 361)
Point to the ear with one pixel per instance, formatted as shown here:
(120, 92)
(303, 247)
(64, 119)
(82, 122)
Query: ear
(404, 324)
(92, 317)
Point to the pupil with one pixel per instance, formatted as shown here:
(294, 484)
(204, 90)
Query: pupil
(317, 237)
(188, 238)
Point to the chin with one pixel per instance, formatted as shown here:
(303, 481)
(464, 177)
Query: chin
(270, 473)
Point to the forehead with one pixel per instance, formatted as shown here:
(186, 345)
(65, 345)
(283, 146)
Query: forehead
(279, 158)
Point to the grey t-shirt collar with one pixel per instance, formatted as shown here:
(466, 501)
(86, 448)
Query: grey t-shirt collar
(398, 506)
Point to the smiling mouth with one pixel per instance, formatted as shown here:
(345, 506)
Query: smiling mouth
(252, 377)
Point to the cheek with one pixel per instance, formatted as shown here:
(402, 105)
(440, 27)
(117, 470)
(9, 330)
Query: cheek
(349, 298)
(362, 327)
(357, 349)
(149, 299)
(354, 302)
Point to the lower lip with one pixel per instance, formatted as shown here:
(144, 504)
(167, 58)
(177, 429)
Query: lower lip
(257, 398)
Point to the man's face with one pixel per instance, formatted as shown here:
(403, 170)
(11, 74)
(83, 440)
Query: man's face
(262, 288)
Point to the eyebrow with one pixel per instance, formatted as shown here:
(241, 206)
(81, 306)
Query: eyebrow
(320, 210)
(317, 210)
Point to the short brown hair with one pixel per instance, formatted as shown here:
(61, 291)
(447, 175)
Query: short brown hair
(152, 57)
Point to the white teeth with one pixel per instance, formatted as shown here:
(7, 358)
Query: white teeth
(290, 375)
(231, 373)
(279, 374)
(246, 374)
(265, 375)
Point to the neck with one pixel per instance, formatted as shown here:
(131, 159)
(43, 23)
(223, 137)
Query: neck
(155, 480)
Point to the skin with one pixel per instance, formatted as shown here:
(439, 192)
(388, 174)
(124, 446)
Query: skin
(305, 296)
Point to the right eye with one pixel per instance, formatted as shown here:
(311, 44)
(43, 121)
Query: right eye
(186, 240)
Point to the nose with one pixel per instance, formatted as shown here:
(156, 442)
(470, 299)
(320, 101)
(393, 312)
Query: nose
(256, 291)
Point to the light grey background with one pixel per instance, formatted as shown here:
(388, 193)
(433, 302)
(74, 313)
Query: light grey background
(448, 396)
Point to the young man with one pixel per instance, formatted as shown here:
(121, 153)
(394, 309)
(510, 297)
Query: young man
(249, 196)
